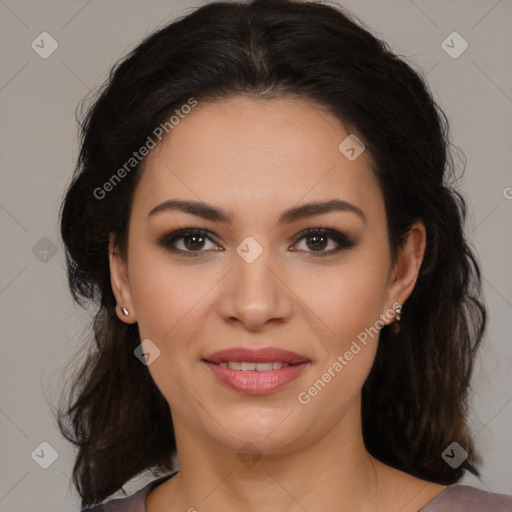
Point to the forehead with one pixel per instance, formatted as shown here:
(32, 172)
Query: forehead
(256, 155)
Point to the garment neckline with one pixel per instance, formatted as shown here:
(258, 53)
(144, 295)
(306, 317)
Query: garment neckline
(151, 486)
(439, 497)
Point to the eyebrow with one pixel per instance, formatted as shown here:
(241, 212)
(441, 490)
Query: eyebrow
(289, 216)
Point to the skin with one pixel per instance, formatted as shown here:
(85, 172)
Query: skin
(276, 154)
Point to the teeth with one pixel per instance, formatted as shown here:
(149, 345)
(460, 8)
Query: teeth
(259, 367)
(264, 367)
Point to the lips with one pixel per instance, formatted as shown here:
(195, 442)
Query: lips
(262, 355)
(273, 368)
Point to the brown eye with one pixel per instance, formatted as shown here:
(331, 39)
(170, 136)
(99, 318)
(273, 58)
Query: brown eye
(192, 242)
(317, 240)
(188, 242)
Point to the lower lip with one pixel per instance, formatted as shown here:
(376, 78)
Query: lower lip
(253, 382)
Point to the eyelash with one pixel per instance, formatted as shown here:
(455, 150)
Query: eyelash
(167, 240)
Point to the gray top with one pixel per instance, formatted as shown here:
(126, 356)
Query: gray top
(455, 498)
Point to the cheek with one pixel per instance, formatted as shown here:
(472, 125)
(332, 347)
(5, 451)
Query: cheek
(346, 302)
(347, 299)
(360, 302)
(169, 303)
(166, 297)
(346, 315)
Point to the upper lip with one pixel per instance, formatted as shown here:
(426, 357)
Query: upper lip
(260, 355)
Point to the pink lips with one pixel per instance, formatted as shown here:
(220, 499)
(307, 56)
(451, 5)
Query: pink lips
(255, 382)
(261, 355)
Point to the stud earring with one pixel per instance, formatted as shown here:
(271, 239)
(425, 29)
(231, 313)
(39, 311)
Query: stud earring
(395, 326)
(125, 312)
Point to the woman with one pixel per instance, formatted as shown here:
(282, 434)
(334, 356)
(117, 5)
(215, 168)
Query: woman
(287, 302)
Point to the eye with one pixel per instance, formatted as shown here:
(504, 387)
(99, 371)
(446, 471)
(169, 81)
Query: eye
(317, 239)
(187, 242)
(192, 242)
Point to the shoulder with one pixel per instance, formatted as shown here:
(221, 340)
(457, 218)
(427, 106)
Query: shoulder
(465, 498)
(133, 502)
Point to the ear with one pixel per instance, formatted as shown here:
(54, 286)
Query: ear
(120, 283)
(406, 268)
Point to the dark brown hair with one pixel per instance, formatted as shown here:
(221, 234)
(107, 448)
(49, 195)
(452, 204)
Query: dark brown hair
(415, 400)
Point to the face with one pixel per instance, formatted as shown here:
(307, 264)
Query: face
(260, 270)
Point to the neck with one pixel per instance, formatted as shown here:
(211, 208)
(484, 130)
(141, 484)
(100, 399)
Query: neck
(333, 473)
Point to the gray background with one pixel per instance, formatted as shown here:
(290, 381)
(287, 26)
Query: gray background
(40, 326)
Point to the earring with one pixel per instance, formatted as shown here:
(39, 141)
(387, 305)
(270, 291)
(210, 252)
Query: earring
(125, 312)
(395, 326)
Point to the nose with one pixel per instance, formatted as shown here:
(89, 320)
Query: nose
(254, 295)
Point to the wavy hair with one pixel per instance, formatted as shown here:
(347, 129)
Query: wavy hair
(415, 401)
